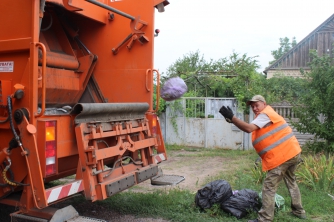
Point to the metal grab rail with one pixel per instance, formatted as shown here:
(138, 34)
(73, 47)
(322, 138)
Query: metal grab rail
(157, 90)
(146, 83)
(42, 47)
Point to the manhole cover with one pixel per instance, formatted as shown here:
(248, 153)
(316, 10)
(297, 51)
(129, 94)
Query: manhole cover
(85, 219)
(167, 180)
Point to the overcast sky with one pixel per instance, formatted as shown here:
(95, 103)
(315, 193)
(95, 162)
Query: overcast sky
(216, 28)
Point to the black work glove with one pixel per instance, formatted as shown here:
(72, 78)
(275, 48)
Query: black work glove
(227, 113)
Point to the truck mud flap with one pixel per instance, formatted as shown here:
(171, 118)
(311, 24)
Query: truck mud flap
(120, 185)
(145, 174)
(126, 182)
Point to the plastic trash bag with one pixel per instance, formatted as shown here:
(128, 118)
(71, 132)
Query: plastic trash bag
(241, 203)
(173, 89)
(279, 201)
(214, 192)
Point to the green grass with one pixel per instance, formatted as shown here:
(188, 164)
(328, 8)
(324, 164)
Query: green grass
(206, 152)
(178, 205)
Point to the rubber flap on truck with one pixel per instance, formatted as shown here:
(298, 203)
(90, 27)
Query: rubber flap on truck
(107, 112)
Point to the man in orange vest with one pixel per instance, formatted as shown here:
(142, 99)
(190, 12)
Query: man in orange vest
(279, 150)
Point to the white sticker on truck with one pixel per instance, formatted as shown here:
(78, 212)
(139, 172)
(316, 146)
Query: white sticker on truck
(7, 66)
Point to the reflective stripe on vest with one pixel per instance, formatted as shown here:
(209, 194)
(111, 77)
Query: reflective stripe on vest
(275, 143)
(269, 133)
(278, 142)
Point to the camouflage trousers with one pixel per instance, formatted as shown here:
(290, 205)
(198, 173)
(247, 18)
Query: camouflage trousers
(285, 171)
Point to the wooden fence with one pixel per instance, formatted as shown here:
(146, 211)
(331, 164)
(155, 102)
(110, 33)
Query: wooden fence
(285, 110)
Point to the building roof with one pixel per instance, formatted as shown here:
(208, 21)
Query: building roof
(320, 39)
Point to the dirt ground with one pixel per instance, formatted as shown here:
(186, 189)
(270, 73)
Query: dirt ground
(196, 170)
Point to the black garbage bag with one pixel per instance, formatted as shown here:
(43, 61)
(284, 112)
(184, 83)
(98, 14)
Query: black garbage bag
(214, 192)
(241, 203)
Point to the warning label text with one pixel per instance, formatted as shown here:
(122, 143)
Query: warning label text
(7, 66)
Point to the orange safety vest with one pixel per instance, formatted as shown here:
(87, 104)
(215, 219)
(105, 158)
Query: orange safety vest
(276, 142)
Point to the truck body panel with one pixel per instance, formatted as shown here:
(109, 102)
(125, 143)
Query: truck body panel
(76, 98)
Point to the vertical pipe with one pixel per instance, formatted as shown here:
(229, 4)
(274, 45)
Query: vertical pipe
(33, 60)
(157, 90)
(99, 166)
(143, 157)
(40, 45)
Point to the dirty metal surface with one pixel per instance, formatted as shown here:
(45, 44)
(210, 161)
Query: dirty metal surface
(167, 180)
(85, 219)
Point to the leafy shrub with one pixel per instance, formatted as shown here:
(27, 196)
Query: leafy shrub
(314, 108)
(317, 172)
(318, 146)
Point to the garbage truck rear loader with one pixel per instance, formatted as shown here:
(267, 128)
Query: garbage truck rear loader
(76, 89)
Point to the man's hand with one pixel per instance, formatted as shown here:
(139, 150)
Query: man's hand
(227, 113)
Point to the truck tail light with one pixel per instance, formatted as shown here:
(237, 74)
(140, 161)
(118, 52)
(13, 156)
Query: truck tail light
(154, 125)
(50, 147)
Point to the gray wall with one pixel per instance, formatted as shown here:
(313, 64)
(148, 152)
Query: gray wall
(185, 128)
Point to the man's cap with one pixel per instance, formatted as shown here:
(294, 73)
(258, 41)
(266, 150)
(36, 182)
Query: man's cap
(256, 98)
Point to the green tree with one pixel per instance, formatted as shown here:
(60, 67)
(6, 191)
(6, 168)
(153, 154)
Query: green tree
(244, 82)
(233, 76)
(283, 88)
(193, 69)
(285, 46)
(315, 109)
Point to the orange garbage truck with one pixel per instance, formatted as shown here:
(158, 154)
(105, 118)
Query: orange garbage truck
(76, 98)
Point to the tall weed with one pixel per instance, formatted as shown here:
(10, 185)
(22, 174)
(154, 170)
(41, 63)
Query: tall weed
(257, 174)
(317, 172)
